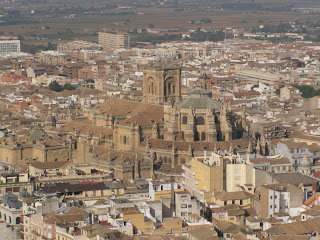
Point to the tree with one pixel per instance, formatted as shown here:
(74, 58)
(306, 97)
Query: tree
(20, 37)
(55, 86)
(205, 20)
(68, 86)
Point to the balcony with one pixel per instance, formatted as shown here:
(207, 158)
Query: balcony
(188, 170)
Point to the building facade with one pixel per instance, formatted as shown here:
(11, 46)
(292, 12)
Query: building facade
(113, 41)
(10, 46)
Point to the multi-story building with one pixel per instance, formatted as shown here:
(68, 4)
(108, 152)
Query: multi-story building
(9, 46)
(185, 205)
(275, 198)
(15, 183)
(294, 151)
(112, 41)
(238, 175)
(10, 209)
(204, 176)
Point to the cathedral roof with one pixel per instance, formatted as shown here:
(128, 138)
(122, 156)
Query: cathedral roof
(199, 103)
(37, 133)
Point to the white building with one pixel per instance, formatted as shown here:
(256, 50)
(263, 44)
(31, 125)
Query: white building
(10, 46)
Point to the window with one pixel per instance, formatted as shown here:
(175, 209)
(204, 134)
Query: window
(183, 161)
(275, 197)
(233, 202)
(183, 198)
(183, 214)
(200, 121)
(241, 202)
(184, 120)
(203, 136)
(270, 197)
(237, 178)
(182, 136)
(237, 170)
(183, 205)
(124, 140)
(275, 206)
(231, 218)
(270, 206)
(189, 206)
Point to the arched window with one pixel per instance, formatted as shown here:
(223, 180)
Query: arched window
(165, 160)
(18, 220)
(10, 219)
(182, 160)
(169, 160)
(5, 217)
(0, 215)
(124, 140)
(169, 86)
(203, 136)
(160, 159)
(184, 120)
(200, 121)
(182, 136)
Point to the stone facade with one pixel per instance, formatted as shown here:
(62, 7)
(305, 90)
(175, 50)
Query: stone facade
(162, 85)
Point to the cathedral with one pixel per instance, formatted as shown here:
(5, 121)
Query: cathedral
(137, 139)
(198, 117)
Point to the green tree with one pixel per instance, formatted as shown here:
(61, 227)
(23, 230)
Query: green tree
(68, 86)
(55, 86)
(205, 20)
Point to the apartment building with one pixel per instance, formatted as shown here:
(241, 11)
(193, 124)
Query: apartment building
(10, 46)
(274, 198)
(112, 41)
(204, 176)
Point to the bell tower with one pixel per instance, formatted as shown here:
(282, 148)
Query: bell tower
(162, 84)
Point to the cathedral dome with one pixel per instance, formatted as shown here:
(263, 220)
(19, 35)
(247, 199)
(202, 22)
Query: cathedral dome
(199, 98)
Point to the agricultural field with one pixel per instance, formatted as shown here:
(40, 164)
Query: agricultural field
(44, 21)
